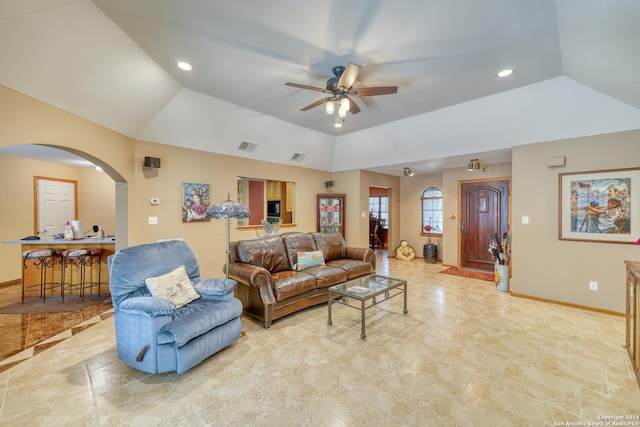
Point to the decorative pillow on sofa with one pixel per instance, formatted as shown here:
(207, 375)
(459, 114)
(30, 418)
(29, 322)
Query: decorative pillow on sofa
(310, 259)
(174, 286)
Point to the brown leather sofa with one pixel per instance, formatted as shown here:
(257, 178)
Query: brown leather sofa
(270, 285)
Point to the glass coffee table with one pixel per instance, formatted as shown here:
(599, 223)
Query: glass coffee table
(364, 289)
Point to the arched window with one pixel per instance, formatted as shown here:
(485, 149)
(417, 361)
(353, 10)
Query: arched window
(431, 211)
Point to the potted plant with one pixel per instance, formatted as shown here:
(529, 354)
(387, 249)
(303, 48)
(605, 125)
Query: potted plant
(500, 249)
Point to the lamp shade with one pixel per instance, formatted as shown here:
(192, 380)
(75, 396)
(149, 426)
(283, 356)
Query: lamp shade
(228, 209)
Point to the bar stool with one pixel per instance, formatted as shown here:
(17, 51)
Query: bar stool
(83, 259)
(44, 260)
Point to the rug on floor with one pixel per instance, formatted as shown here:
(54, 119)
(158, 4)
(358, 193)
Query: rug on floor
(471, 274)
(53, 304)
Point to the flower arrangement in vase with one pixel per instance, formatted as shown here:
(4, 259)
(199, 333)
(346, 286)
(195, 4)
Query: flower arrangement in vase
(500, 249)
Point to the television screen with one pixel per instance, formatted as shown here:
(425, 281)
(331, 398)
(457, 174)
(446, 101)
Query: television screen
(273, 208)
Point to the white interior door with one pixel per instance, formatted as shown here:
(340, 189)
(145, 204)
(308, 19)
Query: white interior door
(56, 204)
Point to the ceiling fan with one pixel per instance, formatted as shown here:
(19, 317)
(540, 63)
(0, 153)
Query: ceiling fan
(341, 90)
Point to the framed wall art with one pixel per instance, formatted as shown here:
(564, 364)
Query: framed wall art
(195, 202)
(600, 206)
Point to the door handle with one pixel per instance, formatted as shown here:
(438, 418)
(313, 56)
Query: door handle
(463, 226)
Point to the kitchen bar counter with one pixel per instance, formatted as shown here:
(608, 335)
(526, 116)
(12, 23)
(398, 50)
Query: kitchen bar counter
(32, 275)
(87, 241)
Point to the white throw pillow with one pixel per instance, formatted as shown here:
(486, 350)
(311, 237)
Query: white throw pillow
(174, 286)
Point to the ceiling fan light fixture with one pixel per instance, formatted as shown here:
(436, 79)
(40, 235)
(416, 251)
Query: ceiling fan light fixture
(342, 113)
(505, 73)
(338, 123)
(344, 104)
(329, 107)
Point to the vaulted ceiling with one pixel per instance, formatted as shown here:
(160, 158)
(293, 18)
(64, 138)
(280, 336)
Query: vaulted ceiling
(114, 63)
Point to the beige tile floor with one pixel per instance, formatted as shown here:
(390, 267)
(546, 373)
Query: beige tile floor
(464, 355)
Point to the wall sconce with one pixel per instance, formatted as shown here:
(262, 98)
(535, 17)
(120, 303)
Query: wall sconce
(407, 172)
(474, 165)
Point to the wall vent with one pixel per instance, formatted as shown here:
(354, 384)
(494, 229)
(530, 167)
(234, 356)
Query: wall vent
(298, 157)
(247, 146)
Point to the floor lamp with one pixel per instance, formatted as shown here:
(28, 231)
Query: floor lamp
(227, 210)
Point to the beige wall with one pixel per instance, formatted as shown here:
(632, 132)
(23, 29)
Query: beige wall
(96, 200)
(546, 267)
(207, 239)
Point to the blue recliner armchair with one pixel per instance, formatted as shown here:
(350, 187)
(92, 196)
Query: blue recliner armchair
(154, 336)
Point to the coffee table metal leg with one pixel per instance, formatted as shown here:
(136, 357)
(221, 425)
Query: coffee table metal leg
(329, 307)
(405, 299)
(362, 334)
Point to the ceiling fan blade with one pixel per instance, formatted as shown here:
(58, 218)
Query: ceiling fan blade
(353, 107)
(372, 91)
(299, 86)
(315, 104)
(348, 76)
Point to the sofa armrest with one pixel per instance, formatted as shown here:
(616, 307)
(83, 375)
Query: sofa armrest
(252, 275)
(362, 254)
(216, 289)
(147, 306)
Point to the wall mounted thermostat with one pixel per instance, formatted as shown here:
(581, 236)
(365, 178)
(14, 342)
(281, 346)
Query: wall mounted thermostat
(155, 201)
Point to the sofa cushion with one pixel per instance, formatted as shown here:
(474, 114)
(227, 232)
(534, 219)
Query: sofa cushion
(290, 283)
(332, 245)
(298, 242)
(309, 259)
(268, 253)
(174, 286)
(198, 318)
(326, 275)
(352, 267)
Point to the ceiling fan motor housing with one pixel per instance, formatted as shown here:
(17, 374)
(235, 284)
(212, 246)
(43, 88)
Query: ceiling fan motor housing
(332, 83)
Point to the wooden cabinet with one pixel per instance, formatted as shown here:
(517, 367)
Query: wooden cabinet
(274, 190)
(331, 213)
(633, 316)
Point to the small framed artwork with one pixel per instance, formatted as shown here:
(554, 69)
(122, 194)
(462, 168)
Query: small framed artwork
(195, 202)
(600, 206)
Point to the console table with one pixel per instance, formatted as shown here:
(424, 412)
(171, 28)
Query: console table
(633, 316)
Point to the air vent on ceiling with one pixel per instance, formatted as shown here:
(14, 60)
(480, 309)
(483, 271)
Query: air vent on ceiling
(247, 146)
(298, 157)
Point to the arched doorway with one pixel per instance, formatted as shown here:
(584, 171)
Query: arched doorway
(70, 156)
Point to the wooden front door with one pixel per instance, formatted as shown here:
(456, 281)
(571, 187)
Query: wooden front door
(484, 211)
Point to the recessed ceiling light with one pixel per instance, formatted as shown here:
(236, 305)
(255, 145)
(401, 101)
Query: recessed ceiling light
(185, 66)
(505, 73)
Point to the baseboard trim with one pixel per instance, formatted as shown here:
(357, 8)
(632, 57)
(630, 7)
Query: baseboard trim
(568, 304)
(10, 283)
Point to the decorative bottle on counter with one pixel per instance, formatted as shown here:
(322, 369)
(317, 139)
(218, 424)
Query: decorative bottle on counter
(68, 232)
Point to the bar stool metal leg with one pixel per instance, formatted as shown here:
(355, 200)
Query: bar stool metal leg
(83, 259)
(43, 260)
